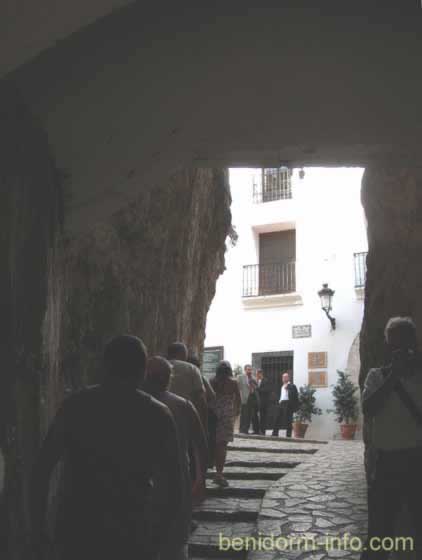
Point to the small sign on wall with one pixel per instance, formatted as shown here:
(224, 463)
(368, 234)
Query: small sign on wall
(302, 331)
(318, 378)
(317, 360)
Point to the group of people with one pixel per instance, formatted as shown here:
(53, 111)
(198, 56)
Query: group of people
(135, 451)
(133, 460)
(256, 393)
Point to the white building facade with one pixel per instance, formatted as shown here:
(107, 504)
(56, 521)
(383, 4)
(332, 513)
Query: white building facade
(297, 231)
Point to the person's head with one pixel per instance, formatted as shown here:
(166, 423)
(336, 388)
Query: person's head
(124, 358)
(158, 372)
(177, 351)
(223, 370)
(259, 374)
(194, 360)
(248, 370)
(285, 377)
(400, 334)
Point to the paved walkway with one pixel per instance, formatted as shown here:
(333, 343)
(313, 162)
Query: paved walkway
(320, 499)
(284, 488)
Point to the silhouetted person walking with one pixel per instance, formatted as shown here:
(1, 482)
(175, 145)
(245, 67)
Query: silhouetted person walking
(212, 420)
(190, 435)
(186, 380)
(114, 440)
(288, 403)
(392, 402)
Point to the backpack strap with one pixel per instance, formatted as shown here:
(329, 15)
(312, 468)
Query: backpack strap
(409, 403)
(405, 398)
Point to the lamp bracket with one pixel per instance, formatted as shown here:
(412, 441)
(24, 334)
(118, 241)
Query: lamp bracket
(331, 319)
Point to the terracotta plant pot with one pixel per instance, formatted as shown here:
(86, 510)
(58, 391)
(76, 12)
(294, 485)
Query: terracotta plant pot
(299, 429)
(348, 431)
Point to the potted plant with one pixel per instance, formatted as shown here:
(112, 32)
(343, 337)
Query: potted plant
(303, 416)
(345, 405)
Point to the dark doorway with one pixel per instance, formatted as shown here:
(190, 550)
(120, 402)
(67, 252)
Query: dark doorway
(273, 364)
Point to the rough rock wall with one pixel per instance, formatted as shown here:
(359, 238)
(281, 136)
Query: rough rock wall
(150, 270)
(392, 199)
(29, 218)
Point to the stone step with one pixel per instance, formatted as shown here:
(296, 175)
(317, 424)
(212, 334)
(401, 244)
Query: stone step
(226, 515)
(239, 488)
(277, 450)
(254, 473)
(264, 455)
(204, 541)
(262, 464)
(219, 557)
(228, 509)
(242, 483)
(279, 438)
(232, 491)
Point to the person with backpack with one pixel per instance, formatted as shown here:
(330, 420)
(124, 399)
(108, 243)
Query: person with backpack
(392, 405)
(288, 403)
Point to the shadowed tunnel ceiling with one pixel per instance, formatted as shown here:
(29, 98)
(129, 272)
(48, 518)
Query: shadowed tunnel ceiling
(130, 97)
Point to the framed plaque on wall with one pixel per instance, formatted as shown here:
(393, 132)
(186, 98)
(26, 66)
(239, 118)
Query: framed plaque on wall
(318, 378)
(317, 360)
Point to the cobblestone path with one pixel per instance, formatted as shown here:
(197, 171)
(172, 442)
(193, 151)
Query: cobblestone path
(254, 464)
(319, 500)
(288, 488)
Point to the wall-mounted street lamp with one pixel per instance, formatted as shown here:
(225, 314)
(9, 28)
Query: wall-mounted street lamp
(326, 296)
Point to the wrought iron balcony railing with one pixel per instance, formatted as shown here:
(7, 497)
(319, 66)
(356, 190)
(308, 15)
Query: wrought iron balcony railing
(272, 184)
(269, 279)
(360, 269)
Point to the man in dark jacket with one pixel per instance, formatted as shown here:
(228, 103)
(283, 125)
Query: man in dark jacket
(287, 404)
(264, 392)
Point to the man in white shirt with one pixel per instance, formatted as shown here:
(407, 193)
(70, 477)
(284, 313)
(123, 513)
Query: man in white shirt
(287, 404)
(392, 403)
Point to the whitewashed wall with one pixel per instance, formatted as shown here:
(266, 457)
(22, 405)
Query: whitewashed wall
(328, 217)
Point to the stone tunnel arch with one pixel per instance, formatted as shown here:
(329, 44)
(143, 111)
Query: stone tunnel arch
(91, 140)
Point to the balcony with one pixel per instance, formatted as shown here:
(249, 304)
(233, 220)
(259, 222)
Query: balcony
(269, 279)
(272, 184)
(360, 269)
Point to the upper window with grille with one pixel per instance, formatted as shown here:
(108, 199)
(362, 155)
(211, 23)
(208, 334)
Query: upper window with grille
(272, 183)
